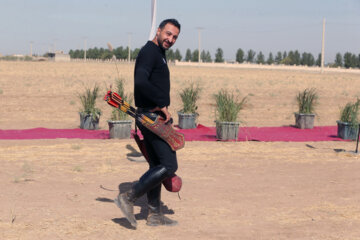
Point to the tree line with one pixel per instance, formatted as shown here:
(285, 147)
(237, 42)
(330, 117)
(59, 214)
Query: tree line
(104, 53)
(348, 60)
(122, 53)
(285, 58)
(119, 53)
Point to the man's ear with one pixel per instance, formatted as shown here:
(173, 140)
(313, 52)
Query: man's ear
(158, 31)
(157, 34)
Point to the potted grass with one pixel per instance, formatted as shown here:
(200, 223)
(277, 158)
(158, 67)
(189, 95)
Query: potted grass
(120, 123)
(187, 115)
(306, 100)
(228, 107)
(89, 114)
(349, 123)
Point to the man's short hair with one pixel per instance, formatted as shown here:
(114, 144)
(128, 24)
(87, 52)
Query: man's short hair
(171, 21)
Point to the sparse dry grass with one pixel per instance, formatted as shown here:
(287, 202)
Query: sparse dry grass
(273, 190)
(44, 94)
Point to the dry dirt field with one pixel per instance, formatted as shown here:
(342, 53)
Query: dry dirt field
(50, 189)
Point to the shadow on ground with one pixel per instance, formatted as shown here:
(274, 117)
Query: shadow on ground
(141, 202)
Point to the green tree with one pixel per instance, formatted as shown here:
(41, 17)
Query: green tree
(318, 60)
(106, 54)
(307, 59)
(170, 55)
(71, 53)
(135, 53)
(286, 61)
(219, 55)
(303, 59)
(270, 59)
(188, 55)
(93, 53)
(353, 61)
(101, 52)
(291, 58)
(297, 58)
(195, 56)
(208, 57)
(90, 53)
(278, 58)
(338, 60)
(121, 53)
(203, 56)
(260, 59)
(240, 56)
(250, 56)
(126, 51)
(177, 55)
(349, 60)
(79, 53)
(284, 55)
(311, 60)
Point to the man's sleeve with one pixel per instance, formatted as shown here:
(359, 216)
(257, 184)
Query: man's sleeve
(145, 64)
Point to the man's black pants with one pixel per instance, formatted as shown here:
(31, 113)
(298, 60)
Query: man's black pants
(160, 154)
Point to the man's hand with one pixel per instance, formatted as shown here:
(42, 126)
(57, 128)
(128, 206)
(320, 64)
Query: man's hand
(164, 110)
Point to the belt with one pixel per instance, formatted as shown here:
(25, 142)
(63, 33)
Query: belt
(146, 109)
(152, 115)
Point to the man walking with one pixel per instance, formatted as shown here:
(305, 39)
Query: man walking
(152, 98)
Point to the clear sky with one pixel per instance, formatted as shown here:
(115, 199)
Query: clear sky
(260, 25)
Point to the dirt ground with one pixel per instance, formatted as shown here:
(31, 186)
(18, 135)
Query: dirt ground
(64, 188)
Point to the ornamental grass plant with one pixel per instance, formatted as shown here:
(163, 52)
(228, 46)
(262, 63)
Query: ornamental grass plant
(88, 102)
(228, 106)
(189, 97)
(350, 113)
(117, 114)
(307, 100)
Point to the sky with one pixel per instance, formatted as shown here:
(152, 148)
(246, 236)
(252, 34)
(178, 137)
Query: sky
(260, 25)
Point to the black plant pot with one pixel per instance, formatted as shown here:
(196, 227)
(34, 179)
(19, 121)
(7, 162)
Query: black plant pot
(346, 130)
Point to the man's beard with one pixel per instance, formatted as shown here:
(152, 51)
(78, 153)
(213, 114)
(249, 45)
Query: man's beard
(161, 42)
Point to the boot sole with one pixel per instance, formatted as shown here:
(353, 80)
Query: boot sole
(130, 218)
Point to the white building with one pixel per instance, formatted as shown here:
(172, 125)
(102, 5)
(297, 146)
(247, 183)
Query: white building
(59, 56)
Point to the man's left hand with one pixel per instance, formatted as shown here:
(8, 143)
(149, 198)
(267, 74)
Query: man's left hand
(165, 111)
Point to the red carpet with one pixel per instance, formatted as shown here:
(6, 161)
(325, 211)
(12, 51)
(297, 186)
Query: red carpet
(201, 133)
(46, 133)
(268, 134)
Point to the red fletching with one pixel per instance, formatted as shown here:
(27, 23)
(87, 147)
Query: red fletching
(112, 103)
(107, 96)
(115, 95)
(112, 99)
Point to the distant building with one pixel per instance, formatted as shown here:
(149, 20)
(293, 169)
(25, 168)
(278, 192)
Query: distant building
(59, 56)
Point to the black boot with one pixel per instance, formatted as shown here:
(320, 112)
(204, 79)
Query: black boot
(157, 218)
(126, 204)
(125, 201)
